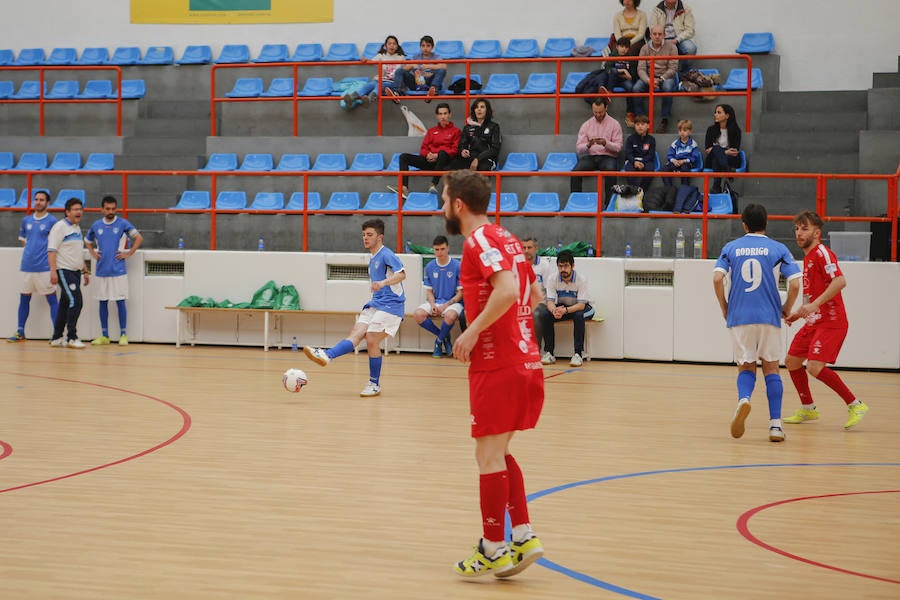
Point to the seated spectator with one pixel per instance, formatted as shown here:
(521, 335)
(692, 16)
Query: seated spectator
(439, 147)
(543, 268)
(598, 145)
(444, 296)
(630, 24)
(677, 20)
(623, 73)
(723, 144)
(567, 299)
(428, 74)
(390, 52)
(480, 140)
(664, 71)
(640, 152)
(684, 153)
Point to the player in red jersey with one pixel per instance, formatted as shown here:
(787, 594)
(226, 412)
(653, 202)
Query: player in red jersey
(819, 341)
(506, 379)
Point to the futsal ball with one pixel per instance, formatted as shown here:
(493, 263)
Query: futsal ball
(294, 380)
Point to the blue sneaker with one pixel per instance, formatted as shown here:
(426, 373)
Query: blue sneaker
(438, 353)
(448, 346)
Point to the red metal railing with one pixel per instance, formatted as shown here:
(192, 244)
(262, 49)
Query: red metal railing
(557, 95)
(42, 101)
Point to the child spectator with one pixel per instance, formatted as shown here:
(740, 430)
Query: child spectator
(392, 82)
(684, 153)
(640, 152)
(623, 74)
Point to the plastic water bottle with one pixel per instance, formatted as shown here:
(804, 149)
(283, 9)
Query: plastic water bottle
(294, 344)
(627, 249)
(260, 244)
(698, 243)
(408, 247)
(180, 243)
(590, 249)
(657, 244)
(679, 244)
(558, 247)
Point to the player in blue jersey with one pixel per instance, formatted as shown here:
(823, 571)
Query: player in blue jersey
(443, 296)
(380, 316)
(34, 266)
(110, 241)
(753, 312)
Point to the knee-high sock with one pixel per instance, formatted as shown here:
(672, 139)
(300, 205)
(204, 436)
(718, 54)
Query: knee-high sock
(104, 318)
(375, 369)
(341, 348)
(427, 325)
(53, 301)
(445, 331)
(123, 315)
(746, 381)
(24, 309)
(833, 380)
(801, 382)
(516, 504)
(774, 393)
(494, 493)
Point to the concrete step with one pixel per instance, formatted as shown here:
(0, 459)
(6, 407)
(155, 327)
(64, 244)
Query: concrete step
(809, 143)
(831, 102)
(794, 188)
(812, 121)
(796, 162)
(175, 162)
(160, 127)
(176, 109)
(159, 145)
(885, 80)
(138, 199)
(161, 184)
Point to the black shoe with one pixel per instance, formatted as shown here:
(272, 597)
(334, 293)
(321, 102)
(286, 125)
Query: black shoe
(716, 187)
(663, 126)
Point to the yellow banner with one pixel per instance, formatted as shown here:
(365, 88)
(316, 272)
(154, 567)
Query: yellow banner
(232, 11)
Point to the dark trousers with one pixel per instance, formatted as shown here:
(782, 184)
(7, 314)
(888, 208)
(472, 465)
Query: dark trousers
(720, 162)
(684, 168)
(70, 303)
(487, 164)
(540, 313)
(642, 182)
(548, 321)
(420, 162)
(593, 162)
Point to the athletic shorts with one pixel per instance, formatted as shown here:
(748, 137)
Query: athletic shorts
(817, 343)
(110, 288)
(379, 321)
(37, 283)
(506, 399)
(756, 341)
(456, 306)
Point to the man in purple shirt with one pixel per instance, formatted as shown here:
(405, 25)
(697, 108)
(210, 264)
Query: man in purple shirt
(598, 145)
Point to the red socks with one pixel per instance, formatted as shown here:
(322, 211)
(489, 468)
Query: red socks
(516, 505)
(494, 491)
(832, 380)
(801, 382)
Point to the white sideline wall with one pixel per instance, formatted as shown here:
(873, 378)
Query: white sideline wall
(681, 322)
(822, 44)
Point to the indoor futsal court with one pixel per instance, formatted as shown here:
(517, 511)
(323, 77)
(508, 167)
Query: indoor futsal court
(153, 472)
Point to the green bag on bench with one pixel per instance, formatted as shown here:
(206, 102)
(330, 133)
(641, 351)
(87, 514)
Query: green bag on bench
(288, 298)
(265, 296)
(190, 301)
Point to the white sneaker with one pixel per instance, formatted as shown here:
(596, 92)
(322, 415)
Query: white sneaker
(776, 434)
(740, 415)
(58, 342)
(548, 359)
(317, 355)
(371, 389)
(76, 343)
(404, 192)
(576, 361)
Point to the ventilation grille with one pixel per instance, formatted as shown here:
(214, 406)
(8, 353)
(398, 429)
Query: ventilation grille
(348, 273)
(649, 278)
(167, 268)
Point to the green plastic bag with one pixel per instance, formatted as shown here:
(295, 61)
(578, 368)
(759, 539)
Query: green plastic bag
(241, 305)
(288, 298)
(207, 303)
(190, 301)
(265, 296)
(576, 248)
(225, 304)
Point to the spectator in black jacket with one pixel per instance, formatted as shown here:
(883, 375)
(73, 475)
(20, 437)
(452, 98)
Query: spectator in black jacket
(479, 144)
(723, 144)
(640, 152)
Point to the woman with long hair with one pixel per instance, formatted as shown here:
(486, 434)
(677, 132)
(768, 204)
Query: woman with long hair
(723, 143)
(479, 144)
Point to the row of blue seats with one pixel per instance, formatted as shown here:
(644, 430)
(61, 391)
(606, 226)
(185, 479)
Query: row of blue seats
(94, 89)
(8, 197)
(62, 161)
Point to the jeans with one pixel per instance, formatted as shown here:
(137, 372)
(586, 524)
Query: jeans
(684, 168)
(420, 162)
(548, 322)
(616, 80)
(720, 162)
(594, 162)
(685, 47)
(640, 104)
(433, 78)
(641, 182)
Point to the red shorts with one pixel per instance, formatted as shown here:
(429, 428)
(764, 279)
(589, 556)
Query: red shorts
(506, 399)
(817, 343)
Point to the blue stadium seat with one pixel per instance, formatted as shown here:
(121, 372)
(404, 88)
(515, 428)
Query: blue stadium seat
(420, 201)
(29, 57)
(97, 88)
(556, 47)
(7, 197)
(7, 57)
(314, 201)
(267, 201)
(509, 202)
(317, 86)
(130, 55)
(367, 162)
(64, 196)
(520, 161)
(133, 89)
(410, 47)
(371, 50)
(598, 43)
(741, 168)
(737, 80)
(540, 83)
(472, 77)
(31, 161)
(381, 201)
(581, 202)
(272, 53)
(64, 90)
(99, 161)
(343, 201)
(23, 197)
(221, 161)
(65, 161)
(94, 56)
(257, 162)
(29, 90)
(502, 83)
(193, 200)
(234, 54)
(6, 161)
(246, 87)
(342, 51)
(280, 87)
(522, 48)
(159, 55)
(7, 89)
(196, 55)
(308, 53)
(484, 49)
(560, 161)
(62, 56)
(720, 204)
(394, 164)
(757, 43)
(293, 162)
(330, 162)
(541, 202)
(450, 49)
(231, 200)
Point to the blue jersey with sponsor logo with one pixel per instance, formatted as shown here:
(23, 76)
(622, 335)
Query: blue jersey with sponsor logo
(34, 233)
(391, 299)
(443, 280)
(110, 238)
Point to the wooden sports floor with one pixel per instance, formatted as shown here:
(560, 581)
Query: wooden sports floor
(150, 472)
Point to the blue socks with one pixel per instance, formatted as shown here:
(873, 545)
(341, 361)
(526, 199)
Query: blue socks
(429, 326)
(746, 381)
(374, 369)
(53, 301)
(774, 393)
(25, 308)
(341, 348)
(445, 331)
(123, 315)
(104, 318)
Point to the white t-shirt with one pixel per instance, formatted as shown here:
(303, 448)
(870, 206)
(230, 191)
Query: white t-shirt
(544, 268)
(388, 70)
(723, 138)
(67, 241)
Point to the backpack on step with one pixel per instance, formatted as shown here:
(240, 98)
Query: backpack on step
(659, 198)
(687, 198)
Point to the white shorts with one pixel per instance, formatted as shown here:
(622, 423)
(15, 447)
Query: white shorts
(456, 306)
(110, 288)
(378, 320)
(37, 283)
(758, 341)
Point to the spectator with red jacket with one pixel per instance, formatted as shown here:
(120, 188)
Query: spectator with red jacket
(439, 148)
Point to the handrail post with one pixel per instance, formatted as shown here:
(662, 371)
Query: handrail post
(119, 103)
(125, 195)
(305, 238)
(749, 90)
(296, 102)
(558, 98)
(212, 213)
(41, 99)
(212, 101)
(893, 213)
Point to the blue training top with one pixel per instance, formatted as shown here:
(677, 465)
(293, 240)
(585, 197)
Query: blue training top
(443, 280)
(109, 238)
(34, 232)
(754, 297)
(390, 299)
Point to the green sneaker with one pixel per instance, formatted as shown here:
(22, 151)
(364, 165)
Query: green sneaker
(16, 337)
(478, 564)
(100, 341)
(857, 412)
(802, 414)
(523, 554)
(123, 340)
